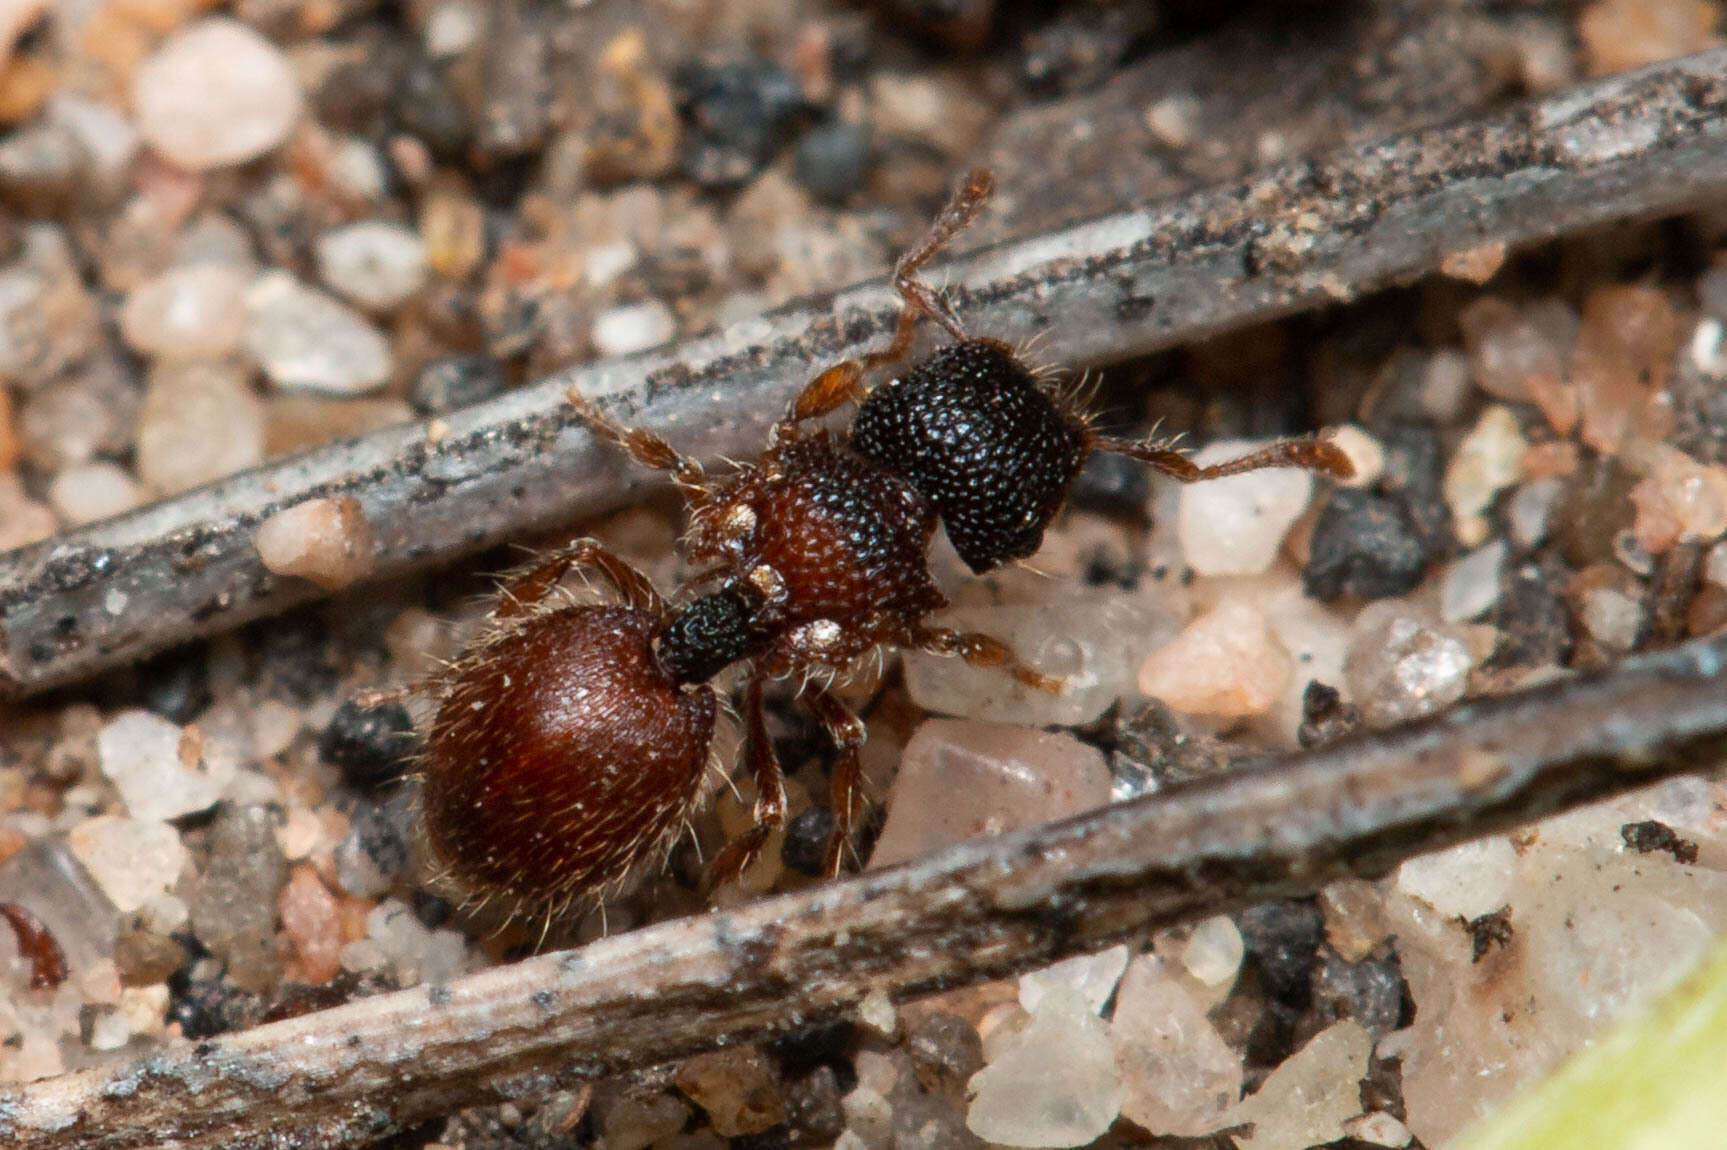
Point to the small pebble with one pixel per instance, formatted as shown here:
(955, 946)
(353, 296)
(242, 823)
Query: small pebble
(1306, 1100)
(1355, 920)
(132, 860)
(214, 94)
(833, 159)
(42, 167)
(1466, 881)
(1227, 663)
(196, 311)
(1679, 500)
(1618, 35)
(959, 779)
(1506, 349)
(373, 746)
(76, 419)
(107, 136)
(1363, 545)
(325, 541)
(375, 264)
(1234, 526)
(1178, 1075)
(1469, 587)
(199, 422)
(312, 922)
(1214, 950)
(1708, 348)
(375, 852)
(454, 382)
(1529, 514)
(142, 956)
(637, 1119)
(89, 492)
(1489, 459)
(736, 114)
(945, 1050)
(1445, 385)
(1401, 667)
(419, 955)
(877, 1012)
(806, 842)
(233, 902)
(632, 328)
(22, 520)
(1091, 976)
(306, 341)
(160, 772)
(1621, 360)
(739, 1088)
(1608, 602)
(1378, 1129)
(1054, 1084)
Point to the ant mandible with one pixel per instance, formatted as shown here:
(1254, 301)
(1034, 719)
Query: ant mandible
(583, 731)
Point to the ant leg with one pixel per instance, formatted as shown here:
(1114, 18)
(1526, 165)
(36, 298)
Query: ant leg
(843, 383)
(1308, 454)
(770, 810)
(968, 200)
(523, 592)
(980, 651)
(645, 447)
(845, 793)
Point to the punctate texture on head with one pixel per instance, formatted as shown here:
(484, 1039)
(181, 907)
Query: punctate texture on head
(562, 756)
(991, 449)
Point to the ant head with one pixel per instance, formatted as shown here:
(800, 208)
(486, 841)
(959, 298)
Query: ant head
(991, 450)
(712, 632)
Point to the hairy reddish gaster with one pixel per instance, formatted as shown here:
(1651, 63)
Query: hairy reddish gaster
(562, 755)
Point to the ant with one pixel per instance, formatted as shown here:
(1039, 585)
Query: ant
(570, 743)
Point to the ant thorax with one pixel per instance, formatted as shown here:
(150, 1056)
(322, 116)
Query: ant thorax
(835, 545)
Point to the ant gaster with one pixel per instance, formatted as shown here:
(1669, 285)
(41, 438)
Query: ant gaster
(584, 734)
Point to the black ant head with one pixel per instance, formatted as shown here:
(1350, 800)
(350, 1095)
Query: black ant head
(990, 449)
(710, 633)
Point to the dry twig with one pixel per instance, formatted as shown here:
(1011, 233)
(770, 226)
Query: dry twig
(1305, 234)
(978, 911)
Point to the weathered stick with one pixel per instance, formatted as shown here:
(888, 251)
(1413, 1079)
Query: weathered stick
(978, 911)
(1636, 145)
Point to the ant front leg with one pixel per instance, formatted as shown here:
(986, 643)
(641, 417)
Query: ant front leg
(770, 810)
(1305, 454)
(843, 383)
(645, 447)
(981, 651)
(845, 792)
(525, 591)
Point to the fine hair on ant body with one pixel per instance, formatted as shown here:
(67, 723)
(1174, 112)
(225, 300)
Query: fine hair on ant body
(571, 740)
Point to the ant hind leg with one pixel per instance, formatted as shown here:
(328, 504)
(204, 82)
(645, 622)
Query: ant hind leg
(527, 589)
(981, 650)
(770, 809)
(845, 791)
